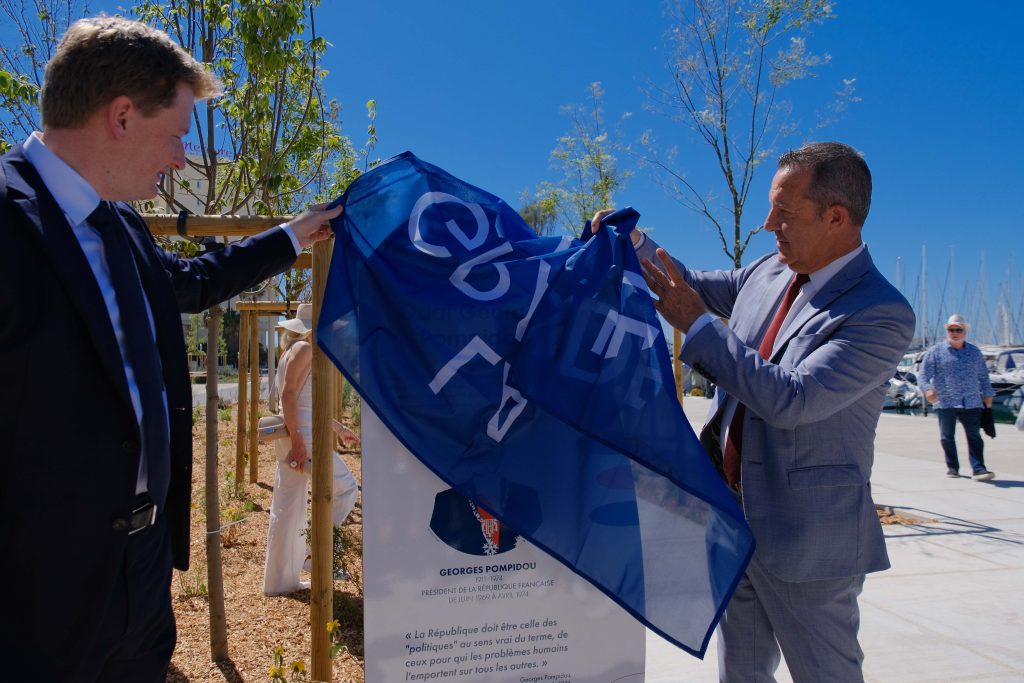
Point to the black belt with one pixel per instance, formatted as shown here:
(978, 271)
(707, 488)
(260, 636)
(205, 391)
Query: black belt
(143, 516)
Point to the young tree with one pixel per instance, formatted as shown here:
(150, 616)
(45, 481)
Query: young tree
(30, 32)
(272, 145)
(590, 176)
(730, 60)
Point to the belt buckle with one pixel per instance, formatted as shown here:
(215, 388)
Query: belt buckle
(138, 518)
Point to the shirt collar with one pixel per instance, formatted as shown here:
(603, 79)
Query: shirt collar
(75, 196)
(823, 275)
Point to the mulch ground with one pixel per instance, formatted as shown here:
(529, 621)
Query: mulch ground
(256, 623)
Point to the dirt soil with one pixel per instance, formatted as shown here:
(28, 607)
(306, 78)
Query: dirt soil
(256, 623)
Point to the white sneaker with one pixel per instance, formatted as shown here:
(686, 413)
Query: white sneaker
(984, 475)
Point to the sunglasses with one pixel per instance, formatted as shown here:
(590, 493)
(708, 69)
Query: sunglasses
(955, 330)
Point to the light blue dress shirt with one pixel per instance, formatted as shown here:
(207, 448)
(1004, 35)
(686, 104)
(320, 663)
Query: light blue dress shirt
(77, 199)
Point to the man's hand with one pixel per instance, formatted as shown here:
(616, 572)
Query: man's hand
(311, 225)
(677, 302)
(932, 396)
(595, 225)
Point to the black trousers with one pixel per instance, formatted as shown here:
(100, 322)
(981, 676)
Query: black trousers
(137, 632)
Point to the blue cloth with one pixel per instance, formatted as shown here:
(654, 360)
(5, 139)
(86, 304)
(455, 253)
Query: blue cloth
(959, 376)
(532, 375)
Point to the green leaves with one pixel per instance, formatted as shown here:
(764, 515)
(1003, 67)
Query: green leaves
(589, 179)
(17, 87)
(271, 144)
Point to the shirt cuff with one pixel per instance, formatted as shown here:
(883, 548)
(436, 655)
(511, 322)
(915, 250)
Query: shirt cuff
(697, 326)
(640, 242)
(291, 235)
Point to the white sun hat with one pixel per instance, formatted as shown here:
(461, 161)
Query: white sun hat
(956, 320)
(302, 322)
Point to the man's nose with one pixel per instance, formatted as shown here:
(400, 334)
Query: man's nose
(178, 161)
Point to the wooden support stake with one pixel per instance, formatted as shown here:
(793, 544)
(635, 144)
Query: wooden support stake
(214, 572)
(254, 403)
(339, 394)
(677, 365)
(321, 598)
(243, 370)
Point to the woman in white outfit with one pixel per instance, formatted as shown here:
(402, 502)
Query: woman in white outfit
(286, 548)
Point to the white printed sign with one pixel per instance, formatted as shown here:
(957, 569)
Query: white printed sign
(453, 595)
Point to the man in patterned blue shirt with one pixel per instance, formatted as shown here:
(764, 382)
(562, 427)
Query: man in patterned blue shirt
(955, 378)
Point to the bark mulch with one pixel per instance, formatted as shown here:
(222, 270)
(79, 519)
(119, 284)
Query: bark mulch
(256, 623)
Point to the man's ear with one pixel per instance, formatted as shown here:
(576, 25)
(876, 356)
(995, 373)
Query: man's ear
(838, 216)
(118, 114)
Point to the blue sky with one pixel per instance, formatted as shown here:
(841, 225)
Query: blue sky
(477, 87)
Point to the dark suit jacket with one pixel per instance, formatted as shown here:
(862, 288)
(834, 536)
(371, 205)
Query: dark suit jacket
(71, 445)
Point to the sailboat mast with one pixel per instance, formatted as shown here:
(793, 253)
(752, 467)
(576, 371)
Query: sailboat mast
(924, 299)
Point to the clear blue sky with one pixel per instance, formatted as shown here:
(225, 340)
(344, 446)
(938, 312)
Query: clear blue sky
(476, 87)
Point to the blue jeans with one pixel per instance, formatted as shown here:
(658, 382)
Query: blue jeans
(971, 420)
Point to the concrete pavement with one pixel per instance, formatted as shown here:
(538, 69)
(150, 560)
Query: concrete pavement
(951, 608)
(227, 392)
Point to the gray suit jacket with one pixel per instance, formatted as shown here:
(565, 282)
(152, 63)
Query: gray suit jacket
(812, 409)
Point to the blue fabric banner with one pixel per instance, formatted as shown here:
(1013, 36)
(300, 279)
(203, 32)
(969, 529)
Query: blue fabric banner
(532, 375)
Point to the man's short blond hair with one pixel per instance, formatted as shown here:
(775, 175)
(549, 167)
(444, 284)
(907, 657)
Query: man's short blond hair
(101, 58)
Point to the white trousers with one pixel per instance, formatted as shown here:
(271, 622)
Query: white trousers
(286, 547)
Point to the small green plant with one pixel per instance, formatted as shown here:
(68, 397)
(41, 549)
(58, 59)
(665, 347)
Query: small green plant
(230, 516)
(192, 584)
(297, 669)
(228, 491)
(199, 499)
(196, 414)
(224, 414)
(338, 548)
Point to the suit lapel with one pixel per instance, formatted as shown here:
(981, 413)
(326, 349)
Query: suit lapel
(769, 303)
(764, 291)
(70, 265)
(841, 283)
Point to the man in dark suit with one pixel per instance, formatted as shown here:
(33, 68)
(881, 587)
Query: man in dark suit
(814, 333)
(95, 407)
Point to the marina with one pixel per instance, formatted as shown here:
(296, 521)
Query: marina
(949, 609)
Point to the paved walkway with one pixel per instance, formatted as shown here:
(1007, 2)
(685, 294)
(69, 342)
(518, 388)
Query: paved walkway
(227, 392)
(952, 607)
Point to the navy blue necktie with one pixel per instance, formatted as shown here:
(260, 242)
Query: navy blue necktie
(140, 346)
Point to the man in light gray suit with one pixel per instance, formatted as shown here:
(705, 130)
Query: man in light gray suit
(814, 332)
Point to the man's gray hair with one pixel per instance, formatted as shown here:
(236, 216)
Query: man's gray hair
(839, 175)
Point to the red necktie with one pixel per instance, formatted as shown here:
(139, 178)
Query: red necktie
(731, 453)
